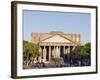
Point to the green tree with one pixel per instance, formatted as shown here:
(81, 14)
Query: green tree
(36, 52)
(83, 50)
(87, 48)
(30, 49)
(26, 49)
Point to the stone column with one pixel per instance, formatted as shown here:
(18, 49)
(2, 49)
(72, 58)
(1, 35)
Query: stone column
(54, 51)
(68, 49)
(64, 49)
(49, 53)
(40, 50)
(44, 53)
(60, 51)
(57, 52)
(73, 48)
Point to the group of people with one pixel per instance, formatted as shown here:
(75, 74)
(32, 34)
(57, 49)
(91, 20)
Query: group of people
(68, 60)
(36, 62)
(77, 60)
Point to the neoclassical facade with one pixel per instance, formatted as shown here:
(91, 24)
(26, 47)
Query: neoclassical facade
(55, 44)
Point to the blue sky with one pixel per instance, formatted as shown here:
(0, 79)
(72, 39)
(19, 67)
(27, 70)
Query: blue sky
(67, 22)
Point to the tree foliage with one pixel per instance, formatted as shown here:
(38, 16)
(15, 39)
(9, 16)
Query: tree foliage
(30, 49)
(83, 50)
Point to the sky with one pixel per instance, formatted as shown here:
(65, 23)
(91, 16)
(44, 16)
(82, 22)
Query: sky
(47, 21)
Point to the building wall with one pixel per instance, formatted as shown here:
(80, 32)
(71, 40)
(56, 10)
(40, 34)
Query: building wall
(37, 37)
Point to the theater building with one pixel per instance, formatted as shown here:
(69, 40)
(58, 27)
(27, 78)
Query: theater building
(55, 44)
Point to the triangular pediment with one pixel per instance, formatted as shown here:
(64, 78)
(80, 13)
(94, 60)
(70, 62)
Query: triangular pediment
(57, 38)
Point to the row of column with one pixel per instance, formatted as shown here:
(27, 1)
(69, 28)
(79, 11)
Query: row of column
(55, 51)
